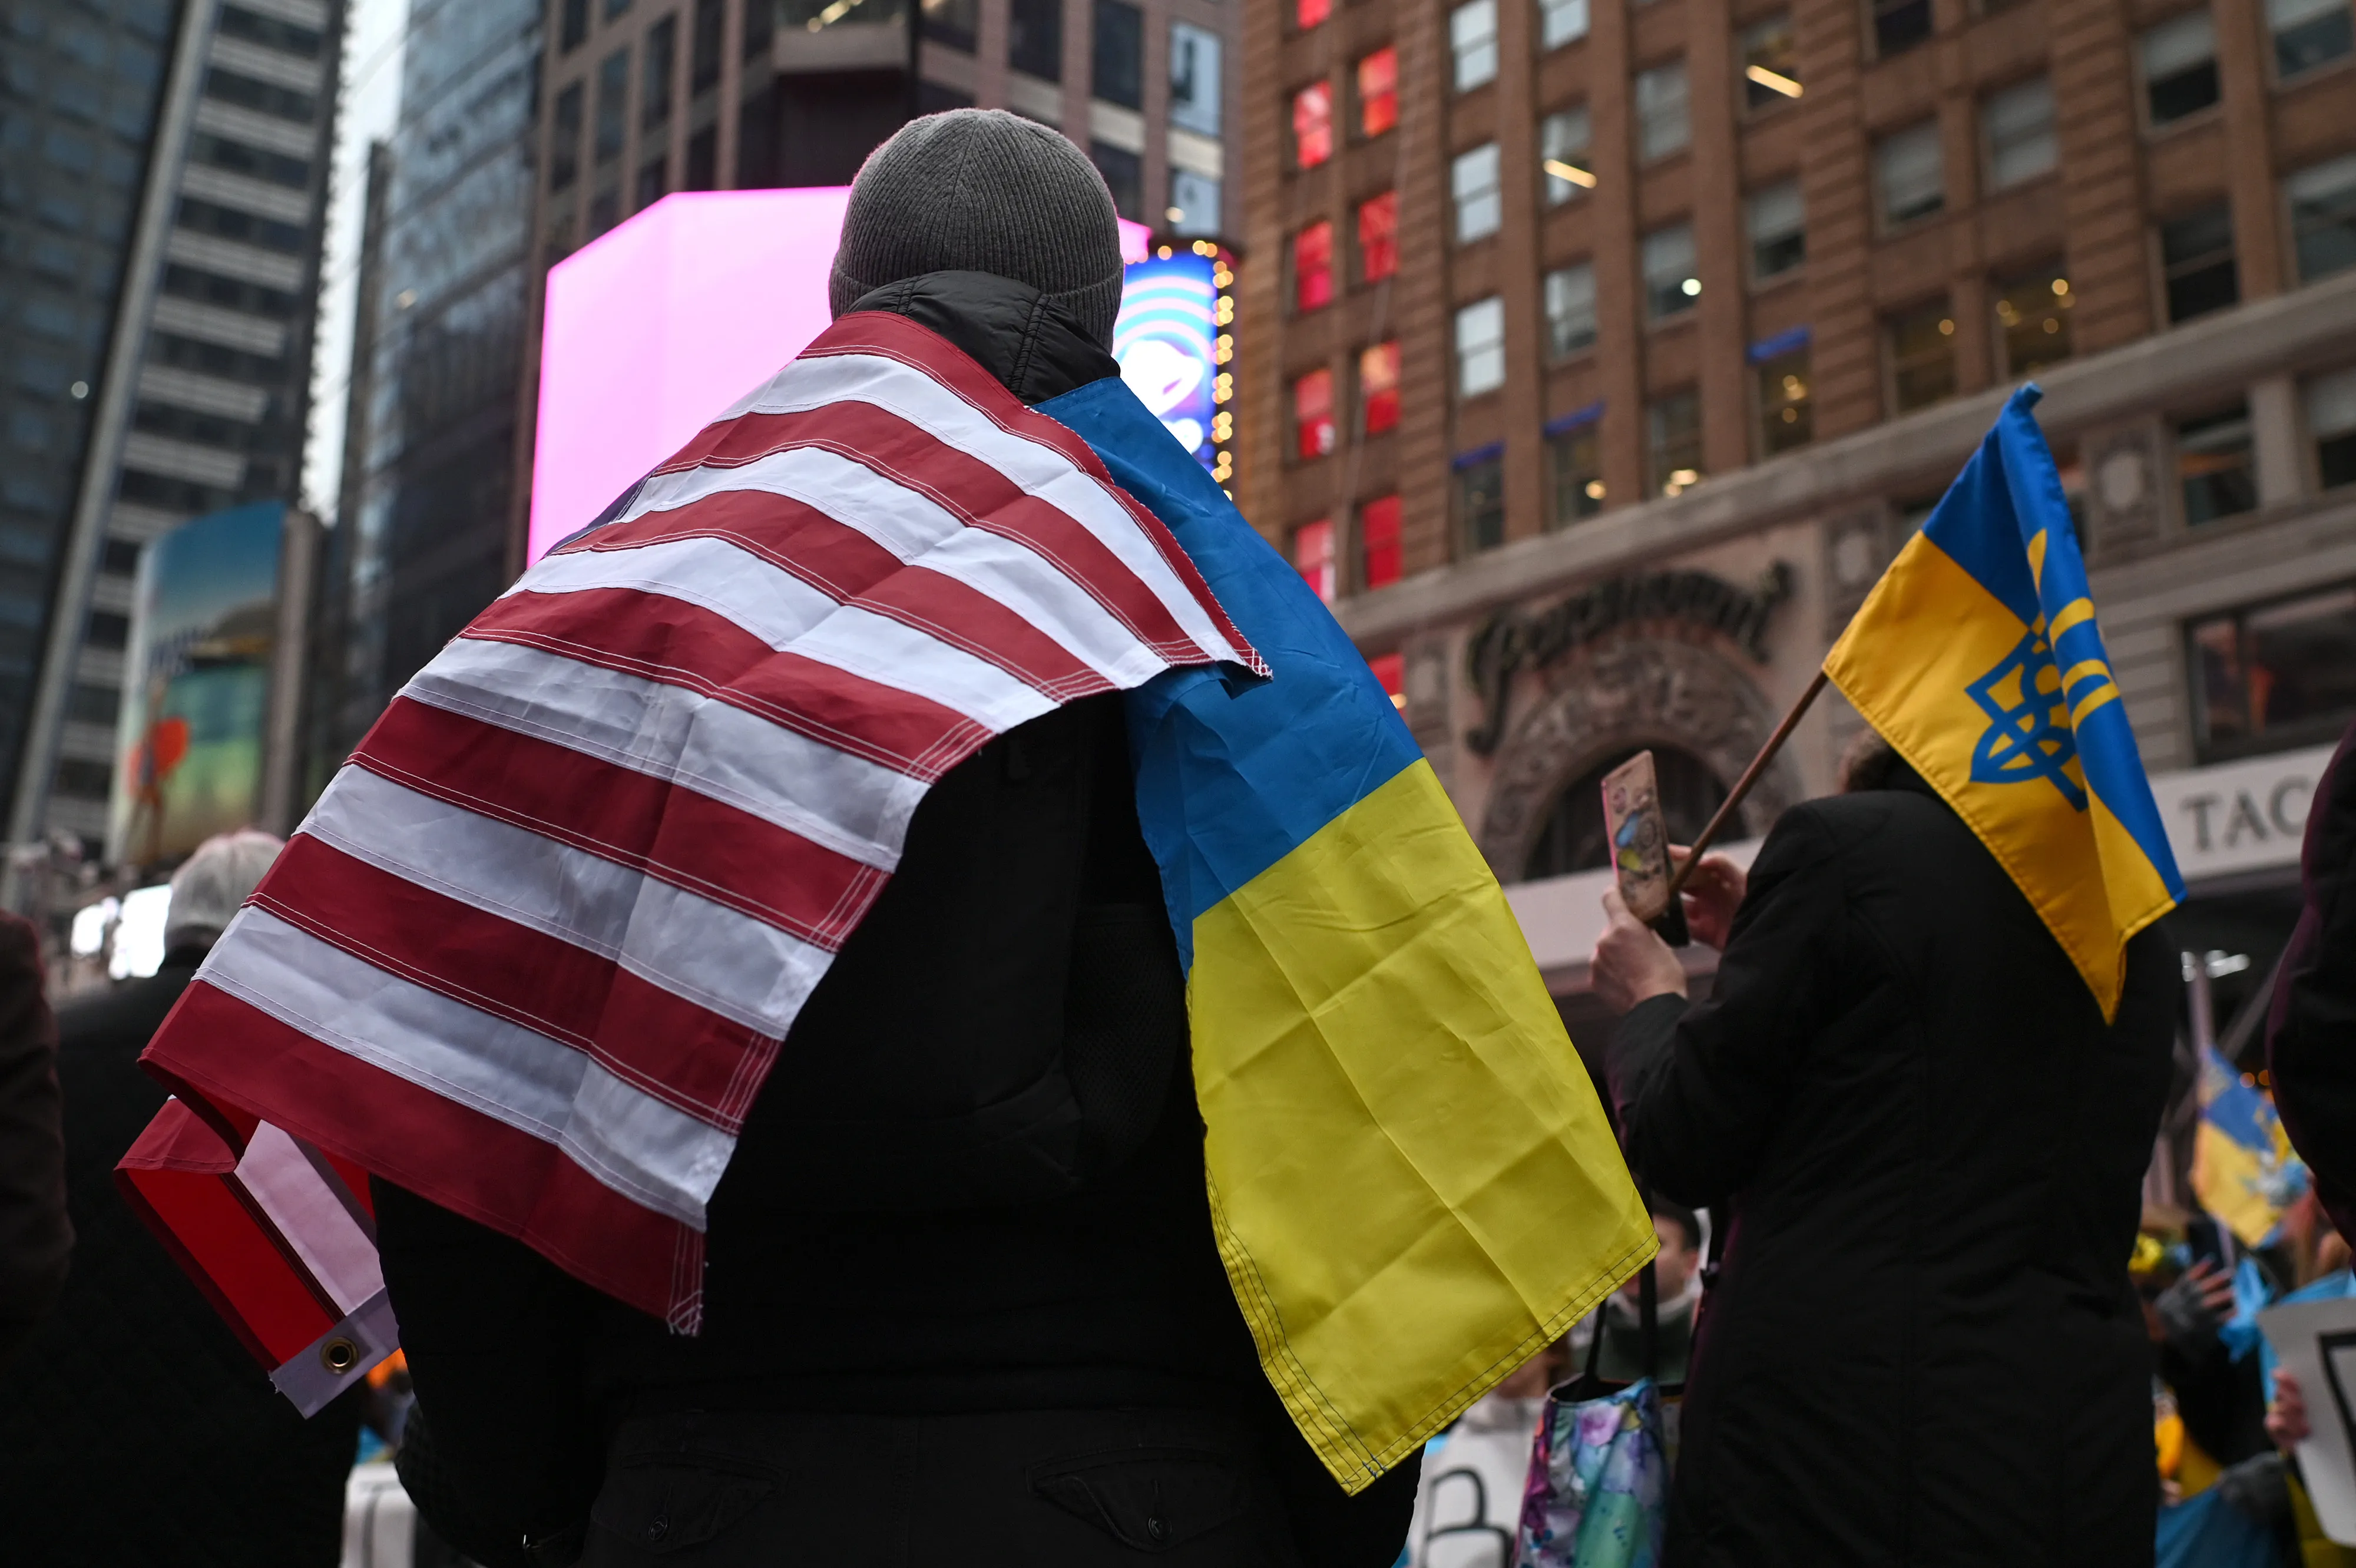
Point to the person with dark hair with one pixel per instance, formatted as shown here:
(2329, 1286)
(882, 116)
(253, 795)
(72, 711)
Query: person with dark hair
(2311, 1032)
(1927, 1145)
(962, 1300)
(36, 1237)
(135, 1427)
(1676, 1287)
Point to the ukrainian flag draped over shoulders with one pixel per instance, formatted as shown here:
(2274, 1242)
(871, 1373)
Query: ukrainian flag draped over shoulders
(1413, 1185)
(1979, 659)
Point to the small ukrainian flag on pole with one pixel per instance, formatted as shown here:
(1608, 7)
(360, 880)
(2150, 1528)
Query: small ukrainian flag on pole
(1978, 658)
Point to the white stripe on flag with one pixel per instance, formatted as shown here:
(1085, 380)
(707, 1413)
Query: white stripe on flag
(831, 798)
(658, 1157)
(736, 966)
(910, 525)
(310, 1216)
(1038, 468)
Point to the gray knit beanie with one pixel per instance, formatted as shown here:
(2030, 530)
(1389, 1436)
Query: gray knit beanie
(986, 191)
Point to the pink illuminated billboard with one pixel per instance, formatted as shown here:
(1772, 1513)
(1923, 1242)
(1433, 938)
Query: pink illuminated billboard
(653, 329)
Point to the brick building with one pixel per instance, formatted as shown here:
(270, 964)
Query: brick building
(1595, 356)
(645, 97)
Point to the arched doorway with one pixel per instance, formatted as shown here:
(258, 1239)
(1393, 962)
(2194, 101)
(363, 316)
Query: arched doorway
(1571, 836)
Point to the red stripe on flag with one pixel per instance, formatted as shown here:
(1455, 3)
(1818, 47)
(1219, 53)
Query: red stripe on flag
(852, 568)
(659, 638)
(652, 824)
(964, 486)
(920, 347)
(468, 1162)
(661, 1043)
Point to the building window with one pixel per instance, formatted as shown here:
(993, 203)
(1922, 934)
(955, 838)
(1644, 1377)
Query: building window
(1900, 25)
(1921, 346)
(1561, 22)
(1663, 125)
(2308, 33)
(954, 23)
(565, 140)
(1312, 557)
(1473, 41)
(1378, 91)
(703, 160)
(2323, 217)
(1671, 287)
(1378, 386)
(1312, 266)
(1909, 174)
(1563, 140)
(703, 54)
(1378, 237)
(2274, 676)
(1313, 435)
(654, 176)
(1473, 182)
(1673, 442)
(1770, 64)
(2017, 126)
(1118, 73)
(1570, 310)
(613, 105)
(1308, 13)
(2180, 66)
(1480, 500)
(2332, 421)
(1313, 125)
(1481, 346)
(1779, 232)
(1575, 462)
(572, 26)
(1124, 175)
(2196, 258)
(1034, 38)
(1781, 369)
(760, 32)
(2032, 315)
(2214, 466)
(1378, 542)
(1194, 203)
(1195, 63)
(655, 73)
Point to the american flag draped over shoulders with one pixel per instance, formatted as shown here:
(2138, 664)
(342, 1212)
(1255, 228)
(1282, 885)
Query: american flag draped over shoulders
(532, 954)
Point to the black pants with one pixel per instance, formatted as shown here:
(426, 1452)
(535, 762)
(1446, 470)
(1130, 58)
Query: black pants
(1027, 1490)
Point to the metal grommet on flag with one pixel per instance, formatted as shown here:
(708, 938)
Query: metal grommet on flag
(338, 1355)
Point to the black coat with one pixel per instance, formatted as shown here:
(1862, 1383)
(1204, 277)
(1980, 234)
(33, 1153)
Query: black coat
(971, 1186)
(135, 1428)
(34, 1237)
(2311, 1038)
(1923, 1347)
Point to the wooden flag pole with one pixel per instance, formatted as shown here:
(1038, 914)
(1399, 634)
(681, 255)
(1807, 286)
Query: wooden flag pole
(1708, 835)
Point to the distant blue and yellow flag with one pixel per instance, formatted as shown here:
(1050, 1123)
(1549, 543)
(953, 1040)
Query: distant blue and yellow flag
(2243, 1169)
(1976, 656)
(1413, 1185)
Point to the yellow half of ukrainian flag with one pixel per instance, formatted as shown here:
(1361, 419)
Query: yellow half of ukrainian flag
(1979, 659)
(1413, 1185)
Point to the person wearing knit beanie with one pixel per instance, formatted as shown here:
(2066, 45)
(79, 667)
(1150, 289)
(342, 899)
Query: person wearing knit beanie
(986, 191)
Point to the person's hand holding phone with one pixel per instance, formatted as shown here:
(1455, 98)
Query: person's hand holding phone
(1712, 893)
(2286, 1420)
(1631, 962)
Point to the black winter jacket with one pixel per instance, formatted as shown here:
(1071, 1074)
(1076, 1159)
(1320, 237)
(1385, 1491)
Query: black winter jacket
(2311, 1036)
(1923, 1347)
(973, 1183)
(135, 1427)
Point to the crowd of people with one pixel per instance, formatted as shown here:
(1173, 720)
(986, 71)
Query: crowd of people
(1905, 1285)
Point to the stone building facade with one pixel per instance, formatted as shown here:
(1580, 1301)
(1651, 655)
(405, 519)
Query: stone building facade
(1633, 339)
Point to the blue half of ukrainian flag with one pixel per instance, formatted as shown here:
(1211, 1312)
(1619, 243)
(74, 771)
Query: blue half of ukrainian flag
(1979, 658)
(1413, 1185)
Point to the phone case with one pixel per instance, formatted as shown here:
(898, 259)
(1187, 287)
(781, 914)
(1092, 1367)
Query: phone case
(1640, 846)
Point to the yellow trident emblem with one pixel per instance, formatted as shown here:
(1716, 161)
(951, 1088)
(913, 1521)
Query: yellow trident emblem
(2034, 706)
